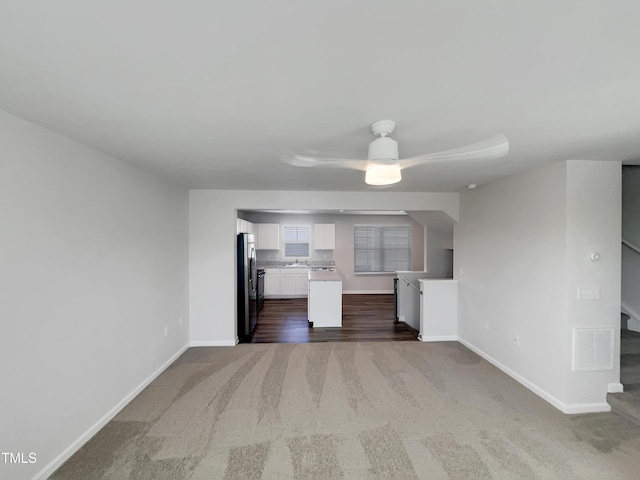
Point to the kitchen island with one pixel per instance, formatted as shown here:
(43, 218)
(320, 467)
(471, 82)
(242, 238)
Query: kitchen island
(324, 304)
(438, 310)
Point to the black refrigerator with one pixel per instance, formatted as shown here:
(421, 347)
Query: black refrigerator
(247, 285)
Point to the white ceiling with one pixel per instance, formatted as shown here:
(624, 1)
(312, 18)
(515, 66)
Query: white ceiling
(213, 93)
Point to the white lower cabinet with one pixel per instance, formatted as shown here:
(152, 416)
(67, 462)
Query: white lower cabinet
(271, 282)
(286, 282)
(302, 284)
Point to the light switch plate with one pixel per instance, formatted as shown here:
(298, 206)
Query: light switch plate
(588, 293)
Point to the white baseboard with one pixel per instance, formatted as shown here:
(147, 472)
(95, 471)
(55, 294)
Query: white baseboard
(587, 408)
(345, 292)
(367, 292)
(285, 296)
(439, 338)
(213, 343)
(563, 407)
(615, 388)
(53, 465)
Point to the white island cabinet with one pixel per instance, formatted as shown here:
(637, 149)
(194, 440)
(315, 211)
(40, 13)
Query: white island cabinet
(324, 305)
(438, 310)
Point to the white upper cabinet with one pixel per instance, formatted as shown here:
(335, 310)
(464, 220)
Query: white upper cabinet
(243, 226)
(268, 236)
(324, 236)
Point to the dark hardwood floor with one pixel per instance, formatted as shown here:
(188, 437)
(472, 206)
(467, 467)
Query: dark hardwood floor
(365, 318)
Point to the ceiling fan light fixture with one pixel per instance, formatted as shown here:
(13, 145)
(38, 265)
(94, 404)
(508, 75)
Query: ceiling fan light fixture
(384, 174)
(383, 164)
(383, 148)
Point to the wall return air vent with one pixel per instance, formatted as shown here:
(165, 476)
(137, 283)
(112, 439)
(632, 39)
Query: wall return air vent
(592, 349)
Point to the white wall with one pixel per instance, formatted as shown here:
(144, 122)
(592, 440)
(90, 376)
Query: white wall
(510, 245)
(94, 257)
(520, 254)
(212, 226)
(594, 216)
(439, 252)
(439, 242)
(343, 255)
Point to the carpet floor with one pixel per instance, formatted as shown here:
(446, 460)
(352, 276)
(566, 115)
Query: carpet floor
(349, 410)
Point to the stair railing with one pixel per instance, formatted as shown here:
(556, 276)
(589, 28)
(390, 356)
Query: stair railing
(410, 284)
(631, 246)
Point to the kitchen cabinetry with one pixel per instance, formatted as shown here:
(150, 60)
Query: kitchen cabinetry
(286, 282)
(294, 282)
(268, 236)
(438, 310)
(324, 305)
(324, 236)
(271, 282)
(302, 284)
(243, 226)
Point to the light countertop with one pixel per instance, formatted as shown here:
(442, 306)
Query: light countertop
(434, 280)
(324, 276)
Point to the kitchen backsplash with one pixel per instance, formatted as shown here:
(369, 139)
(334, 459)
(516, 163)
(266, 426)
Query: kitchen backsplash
(281, 263)
(276, 257)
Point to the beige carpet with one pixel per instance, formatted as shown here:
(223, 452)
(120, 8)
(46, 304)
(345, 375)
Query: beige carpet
(349, 410)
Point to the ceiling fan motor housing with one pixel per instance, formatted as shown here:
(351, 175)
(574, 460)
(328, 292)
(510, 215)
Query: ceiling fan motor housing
(383, 148)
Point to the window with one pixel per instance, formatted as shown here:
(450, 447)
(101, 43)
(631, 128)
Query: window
(382, 249)
(296, 240)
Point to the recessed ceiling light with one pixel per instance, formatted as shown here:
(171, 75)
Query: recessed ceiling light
(471, 186)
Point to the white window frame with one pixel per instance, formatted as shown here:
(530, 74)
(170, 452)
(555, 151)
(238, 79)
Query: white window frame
(380, 259)
(298, 242)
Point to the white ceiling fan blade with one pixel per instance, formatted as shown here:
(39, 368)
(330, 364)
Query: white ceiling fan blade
(494, 147)
(315, 162)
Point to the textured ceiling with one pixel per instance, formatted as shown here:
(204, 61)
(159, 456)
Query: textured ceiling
(212, 94)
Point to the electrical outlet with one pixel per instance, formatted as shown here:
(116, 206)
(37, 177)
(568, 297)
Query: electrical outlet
(166, 330)
(486, 325)
(516, 339)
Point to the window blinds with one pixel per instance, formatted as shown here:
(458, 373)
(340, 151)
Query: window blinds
(382, 249)
(296, 240)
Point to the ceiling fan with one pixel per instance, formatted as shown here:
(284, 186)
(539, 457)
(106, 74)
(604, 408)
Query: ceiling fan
(383, 166)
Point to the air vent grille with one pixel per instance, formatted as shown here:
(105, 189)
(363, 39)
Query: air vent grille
(592, 349)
